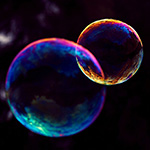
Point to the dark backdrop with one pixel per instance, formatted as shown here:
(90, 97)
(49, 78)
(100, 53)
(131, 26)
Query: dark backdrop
(124, 122)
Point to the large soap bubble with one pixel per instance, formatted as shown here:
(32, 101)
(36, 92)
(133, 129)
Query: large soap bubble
(48, 93)
(116, 46)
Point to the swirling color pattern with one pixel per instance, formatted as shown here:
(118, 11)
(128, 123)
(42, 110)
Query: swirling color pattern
(117, 48)
(48, 93)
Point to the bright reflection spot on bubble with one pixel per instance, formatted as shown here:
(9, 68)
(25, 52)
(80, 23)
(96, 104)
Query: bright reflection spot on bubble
(48, 93)
(116, 46)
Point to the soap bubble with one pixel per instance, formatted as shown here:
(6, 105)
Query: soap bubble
(48, 93)
(117, 47)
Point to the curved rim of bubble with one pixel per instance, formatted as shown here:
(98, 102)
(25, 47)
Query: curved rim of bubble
(30, 44)
(53, 39)
(95, 61)
(114, 21)
(64, 40)
(92, 79)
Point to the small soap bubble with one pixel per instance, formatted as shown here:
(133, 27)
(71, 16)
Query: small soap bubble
(48, 93)
(117, 48)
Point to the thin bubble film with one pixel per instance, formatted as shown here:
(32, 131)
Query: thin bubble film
(48, 93)
(116, 46)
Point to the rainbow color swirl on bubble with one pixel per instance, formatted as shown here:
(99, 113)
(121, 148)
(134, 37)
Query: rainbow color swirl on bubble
(48, 93)
(116, 46)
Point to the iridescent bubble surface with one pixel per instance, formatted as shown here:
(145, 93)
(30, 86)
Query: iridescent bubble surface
(48, 93)
(117, 47)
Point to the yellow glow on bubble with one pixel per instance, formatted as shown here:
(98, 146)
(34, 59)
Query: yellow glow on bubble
(117, 48)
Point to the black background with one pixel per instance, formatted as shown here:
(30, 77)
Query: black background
(124, 122)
